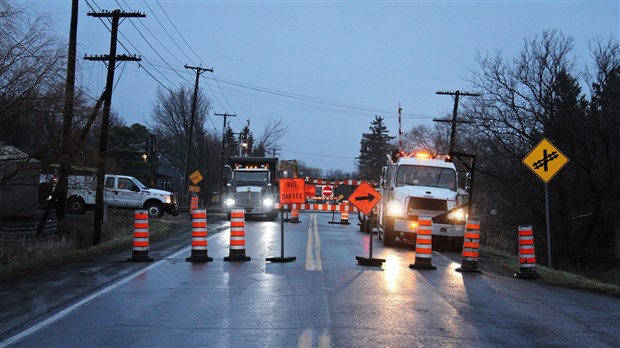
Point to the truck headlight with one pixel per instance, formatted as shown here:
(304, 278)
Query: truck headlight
(268, 202)
(394, 208)
(229, 202)
(458, 214)
(168, 199)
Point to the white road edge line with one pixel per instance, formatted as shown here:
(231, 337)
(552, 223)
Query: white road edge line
(310, 264)
(77, 305)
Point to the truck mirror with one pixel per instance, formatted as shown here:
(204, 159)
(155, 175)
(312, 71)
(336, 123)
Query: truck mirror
(135, 188)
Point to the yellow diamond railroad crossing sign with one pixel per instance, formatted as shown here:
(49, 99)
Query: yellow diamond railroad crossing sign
(545, 160)
(196, 177)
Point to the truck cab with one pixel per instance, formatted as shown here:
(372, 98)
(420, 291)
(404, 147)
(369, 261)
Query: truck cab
(251, 186)
(421, 185)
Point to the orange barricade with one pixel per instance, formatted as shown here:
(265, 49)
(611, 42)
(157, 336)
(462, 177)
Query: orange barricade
(527, 254)
(140, 250)
(471, 247)
(424, 244)
(237, 236)
(199, 237)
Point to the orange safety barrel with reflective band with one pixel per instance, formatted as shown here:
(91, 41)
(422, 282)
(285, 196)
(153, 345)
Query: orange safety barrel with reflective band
(424, 244)
(471, 246)
(199, 252)
(237, 236)
(527, 253)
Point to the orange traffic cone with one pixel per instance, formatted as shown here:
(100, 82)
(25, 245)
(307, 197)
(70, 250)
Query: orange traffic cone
(140, 251)
(471, 245)
(294, 216)
(194, 205)
(527, 254)
(424, 244)
(199, 237)
(344, 214)
(237, 236)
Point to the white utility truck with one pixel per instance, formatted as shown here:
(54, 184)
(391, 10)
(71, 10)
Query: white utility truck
(120, 191)
(416, 185)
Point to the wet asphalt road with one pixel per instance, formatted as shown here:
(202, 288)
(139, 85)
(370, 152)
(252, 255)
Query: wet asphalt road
(322, 299)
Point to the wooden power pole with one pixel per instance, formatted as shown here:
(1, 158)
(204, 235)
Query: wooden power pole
(454, 120)
(112, 58)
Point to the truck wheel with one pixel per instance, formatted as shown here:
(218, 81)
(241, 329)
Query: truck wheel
(154, 209)
(272, 216)
(76, 205)
(389, 236)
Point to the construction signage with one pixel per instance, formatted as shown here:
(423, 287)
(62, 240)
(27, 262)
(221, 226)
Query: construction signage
(365, 197)
(292, 191)
(545, 160)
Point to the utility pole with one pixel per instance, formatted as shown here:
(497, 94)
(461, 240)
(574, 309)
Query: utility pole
(112, 58)
(454, 120)
(221, 181)
(199, 70)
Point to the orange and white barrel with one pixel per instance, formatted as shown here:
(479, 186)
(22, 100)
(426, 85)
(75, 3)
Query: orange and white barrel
(237, 236)
(424, 244)
(140, 249)
(527, 253)
(199, 237)
(471, 247)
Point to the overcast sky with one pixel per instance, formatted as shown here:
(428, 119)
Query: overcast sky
(324, 67)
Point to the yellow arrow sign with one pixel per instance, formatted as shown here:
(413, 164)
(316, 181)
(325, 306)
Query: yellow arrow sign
(545, 160)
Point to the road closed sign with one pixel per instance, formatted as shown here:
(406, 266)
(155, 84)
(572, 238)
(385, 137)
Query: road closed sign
(292, 191)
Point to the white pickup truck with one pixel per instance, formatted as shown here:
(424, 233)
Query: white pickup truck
(120, 191)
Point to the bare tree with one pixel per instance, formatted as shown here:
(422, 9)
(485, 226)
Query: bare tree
(538, 95)
(170, 120)
(270, 138)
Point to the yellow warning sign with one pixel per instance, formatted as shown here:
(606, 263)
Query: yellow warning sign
(545, 160)
(196, 177)
(193, 188)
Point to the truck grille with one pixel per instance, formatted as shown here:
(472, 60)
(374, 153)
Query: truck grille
(248, 198)
(427, 204)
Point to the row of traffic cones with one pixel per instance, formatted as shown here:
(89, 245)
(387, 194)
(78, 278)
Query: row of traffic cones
(423, 254)
(199, 252)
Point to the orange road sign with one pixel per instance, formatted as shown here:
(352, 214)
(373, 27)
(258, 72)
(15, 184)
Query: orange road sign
(292, 191)
(365, 197)
(191, 188)
(545, 160)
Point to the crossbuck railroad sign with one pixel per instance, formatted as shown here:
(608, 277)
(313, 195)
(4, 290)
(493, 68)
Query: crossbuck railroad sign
(545, 160)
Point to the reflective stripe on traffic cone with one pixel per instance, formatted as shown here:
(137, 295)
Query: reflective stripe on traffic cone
(424, 244)
(140, 250)
(471, 246)
(237, 236)
(527, 254)
(294, 216)
(199, 237)
(344, 216)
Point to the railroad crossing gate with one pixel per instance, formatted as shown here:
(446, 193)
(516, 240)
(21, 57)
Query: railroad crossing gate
(545, 160)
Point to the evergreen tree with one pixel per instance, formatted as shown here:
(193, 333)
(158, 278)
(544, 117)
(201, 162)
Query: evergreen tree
(374, 148)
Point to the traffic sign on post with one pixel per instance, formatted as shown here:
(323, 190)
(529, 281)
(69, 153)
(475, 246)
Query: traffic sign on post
(545, 160)
(292, 191)
(196, 177)
(365, 197)
(327, 191)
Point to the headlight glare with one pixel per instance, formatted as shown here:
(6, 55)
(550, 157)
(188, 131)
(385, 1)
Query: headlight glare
(268, 202)
(229, 202)
(394, 208)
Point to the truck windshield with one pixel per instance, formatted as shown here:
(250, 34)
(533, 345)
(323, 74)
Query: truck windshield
(426, 176)
(252, 176)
